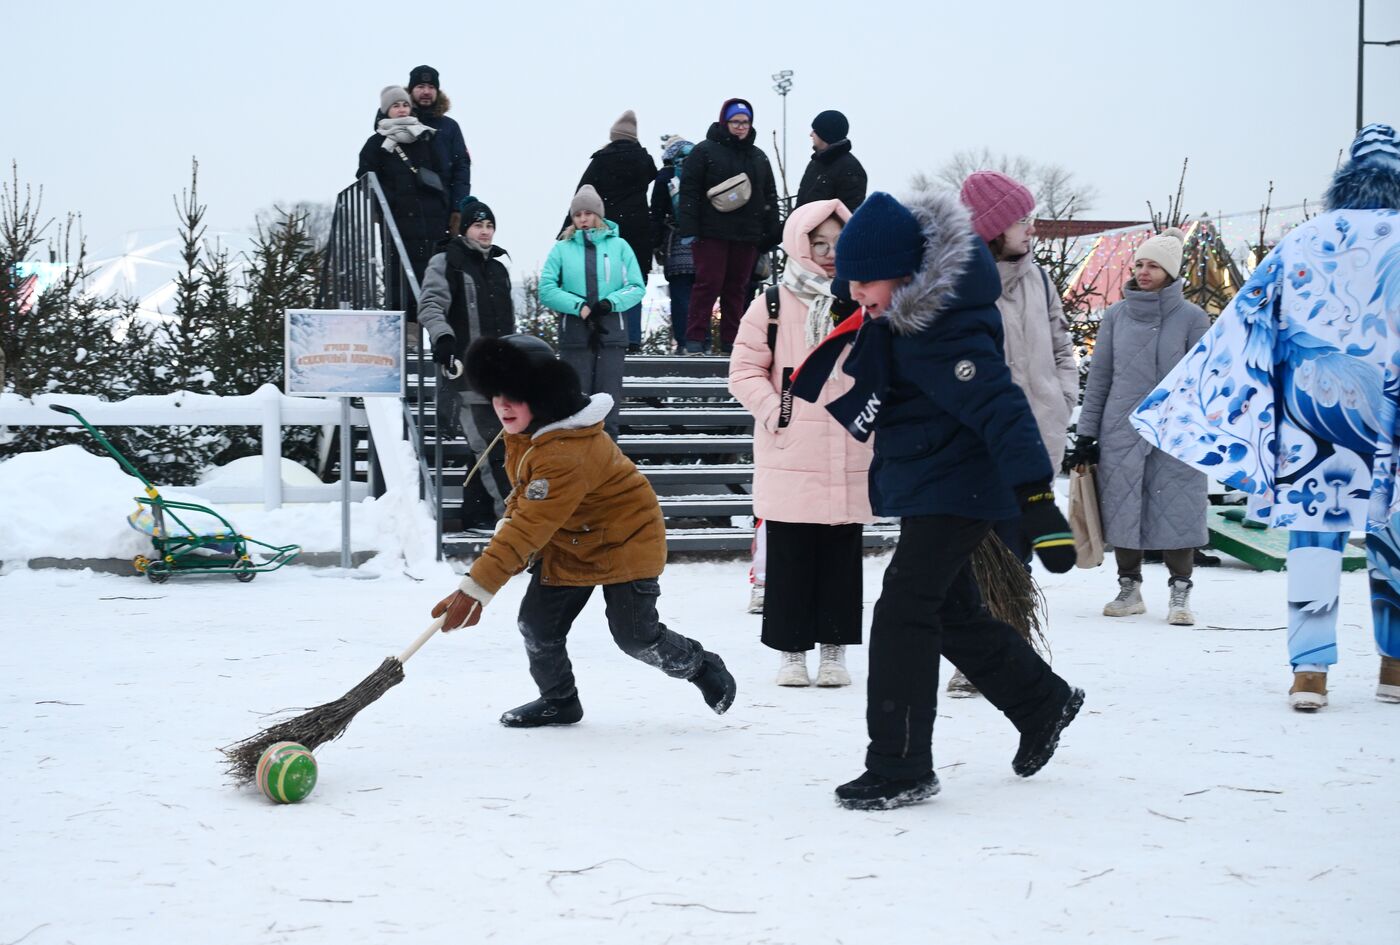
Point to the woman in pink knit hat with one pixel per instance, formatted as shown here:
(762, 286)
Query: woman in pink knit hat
(1036, 337)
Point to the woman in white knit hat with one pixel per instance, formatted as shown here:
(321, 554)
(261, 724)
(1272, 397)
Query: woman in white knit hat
(1147, 499)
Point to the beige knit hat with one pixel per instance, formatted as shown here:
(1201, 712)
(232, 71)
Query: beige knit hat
(391, 95)
(1165, 249)
(625, 128)
(587, 199)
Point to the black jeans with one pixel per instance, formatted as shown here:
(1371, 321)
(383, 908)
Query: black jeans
(547, 613)
(813, 585)
(930, 606)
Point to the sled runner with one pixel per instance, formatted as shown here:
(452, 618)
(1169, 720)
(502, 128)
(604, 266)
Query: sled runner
(1260, 547)
(180, 548)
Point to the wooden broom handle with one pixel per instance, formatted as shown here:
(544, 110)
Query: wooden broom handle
(423, 637)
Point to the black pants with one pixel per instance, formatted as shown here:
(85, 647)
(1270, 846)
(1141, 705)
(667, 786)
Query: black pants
(547, 612)
(930, 606)
(484, 497)
(1179, 562)
(813, 585)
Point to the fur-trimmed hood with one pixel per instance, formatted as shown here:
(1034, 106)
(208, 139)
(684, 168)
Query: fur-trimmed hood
(957, 270)
(1372, 184)
(599, 405)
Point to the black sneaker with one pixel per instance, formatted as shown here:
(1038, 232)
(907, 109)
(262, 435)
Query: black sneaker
(1039, 742)
(715, 683)
(544, 712)
(871, 791)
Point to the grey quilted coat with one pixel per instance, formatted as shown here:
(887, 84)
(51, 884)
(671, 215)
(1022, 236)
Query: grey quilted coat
(1147, 499)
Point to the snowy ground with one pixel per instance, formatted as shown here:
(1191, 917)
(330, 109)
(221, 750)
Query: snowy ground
(1187, 803)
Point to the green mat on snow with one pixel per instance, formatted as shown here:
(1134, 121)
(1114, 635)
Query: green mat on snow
(1258, 546)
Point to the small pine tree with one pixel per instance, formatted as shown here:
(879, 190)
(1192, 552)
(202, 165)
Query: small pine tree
(534, 318)
(282, 272)
(58, 339)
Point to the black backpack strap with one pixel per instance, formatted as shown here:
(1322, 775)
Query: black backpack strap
(771, 295)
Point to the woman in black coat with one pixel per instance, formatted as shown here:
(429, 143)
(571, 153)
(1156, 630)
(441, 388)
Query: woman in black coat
(401, 156)
(726, 242)
(621, 172)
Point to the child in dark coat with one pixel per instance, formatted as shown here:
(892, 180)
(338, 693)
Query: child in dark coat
(579, 516)
(957, 450)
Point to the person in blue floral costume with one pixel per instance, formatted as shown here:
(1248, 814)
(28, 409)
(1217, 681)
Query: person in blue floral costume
(1291, 397)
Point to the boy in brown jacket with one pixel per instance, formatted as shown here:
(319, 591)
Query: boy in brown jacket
(579, 516)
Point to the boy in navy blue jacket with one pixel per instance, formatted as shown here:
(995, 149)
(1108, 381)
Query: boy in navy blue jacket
(958, 449)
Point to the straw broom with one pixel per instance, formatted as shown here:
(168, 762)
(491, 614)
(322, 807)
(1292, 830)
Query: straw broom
(327, 722)
(1009, 591)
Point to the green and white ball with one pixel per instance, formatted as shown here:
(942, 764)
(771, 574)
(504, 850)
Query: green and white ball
(287, 772)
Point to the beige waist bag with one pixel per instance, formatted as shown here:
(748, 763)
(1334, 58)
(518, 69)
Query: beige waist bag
(729, 195)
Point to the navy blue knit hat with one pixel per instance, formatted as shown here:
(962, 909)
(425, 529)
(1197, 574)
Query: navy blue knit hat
(831, 126)
(882, 240)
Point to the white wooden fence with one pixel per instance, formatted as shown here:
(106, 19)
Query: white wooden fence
(267, 407)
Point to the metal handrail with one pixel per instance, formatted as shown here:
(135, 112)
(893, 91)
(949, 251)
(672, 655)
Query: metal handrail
(364, 240)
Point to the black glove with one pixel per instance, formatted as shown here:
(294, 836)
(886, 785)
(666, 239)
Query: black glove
(1045, 528)
(596, 329)
(842, 309)
(601, 307)
(1085, 452)
(443, 350)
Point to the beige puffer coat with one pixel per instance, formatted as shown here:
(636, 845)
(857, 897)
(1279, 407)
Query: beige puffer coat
(1039, 350)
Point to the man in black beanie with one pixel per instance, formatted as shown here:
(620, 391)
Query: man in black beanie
(431, 105)
(833, 173)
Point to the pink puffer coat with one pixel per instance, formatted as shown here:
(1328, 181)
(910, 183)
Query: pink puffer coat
(810, 471)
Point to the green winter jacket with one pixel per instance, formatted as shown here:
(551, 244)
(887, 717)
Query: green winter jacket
(563, 282)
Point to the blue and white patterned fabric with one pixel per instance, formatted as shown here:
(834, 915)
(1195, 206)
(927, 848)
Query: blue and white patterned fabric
(1291, 396)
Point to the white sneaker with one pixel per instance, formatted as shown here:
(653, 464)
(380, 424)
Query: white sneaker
(832, 670)
(1179, 608)
(756, 599)
(792, 671)
(1128, 601)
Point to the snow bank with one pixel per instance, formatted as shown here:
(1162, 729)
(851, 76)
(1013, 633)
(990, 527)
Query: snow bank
(68, 503)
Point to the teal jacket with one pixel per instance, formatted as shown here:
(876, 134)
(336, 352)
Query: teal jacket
(563, 282)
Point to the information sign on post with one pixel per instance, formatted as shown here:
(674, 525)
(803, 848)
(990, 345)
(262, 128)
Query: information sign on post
(344, 353)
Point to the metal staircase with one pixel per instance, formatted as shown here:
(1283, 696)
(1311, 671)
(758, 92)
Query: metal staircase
(679, 424)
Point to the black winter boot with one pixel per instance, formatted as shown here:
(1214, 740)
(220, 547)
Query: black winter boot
(544, 712)
(871, 791)
(715, 683)
(1038, 742)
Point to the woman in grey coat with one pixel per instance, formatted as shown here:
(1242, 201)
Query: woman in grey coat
(1147, 499)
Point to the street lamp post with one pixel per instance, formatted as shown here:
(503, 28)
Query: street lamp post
(782, 84)
(1361, 43)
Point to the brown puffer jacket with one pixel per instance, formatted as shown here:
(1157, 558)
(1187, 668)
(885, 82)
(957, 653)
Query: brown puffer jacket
(578, 505)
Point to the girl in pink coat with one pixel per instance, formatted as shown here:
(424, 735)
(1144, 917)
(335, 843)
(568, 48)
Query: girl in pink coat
(810, 475)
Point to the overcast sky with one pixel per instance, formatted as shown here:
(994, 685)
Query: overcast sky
(110, 101)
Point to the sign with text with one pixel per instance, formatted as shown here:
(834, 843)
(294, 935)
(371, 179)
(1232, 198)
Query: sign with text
(341, 353)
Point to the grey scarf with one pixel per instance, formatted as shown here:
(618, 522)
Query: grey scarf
(402, 131)
(815, 291)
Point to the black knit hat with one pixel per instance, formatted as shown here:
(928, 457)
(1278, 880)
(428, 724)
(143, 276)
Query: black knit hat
(831, 126)
(474, 211)
(423, 75)
(524, 368)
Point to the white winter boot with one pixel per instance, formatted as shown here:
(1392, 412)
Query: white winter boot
(1128, 601)
(756, 599)
(1179, 608)
(792, 671)
(832, 670)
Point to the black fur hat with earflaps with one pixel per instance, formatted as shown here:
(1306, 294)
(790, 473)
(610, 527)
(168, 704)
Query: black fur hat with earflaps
(525, 368)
